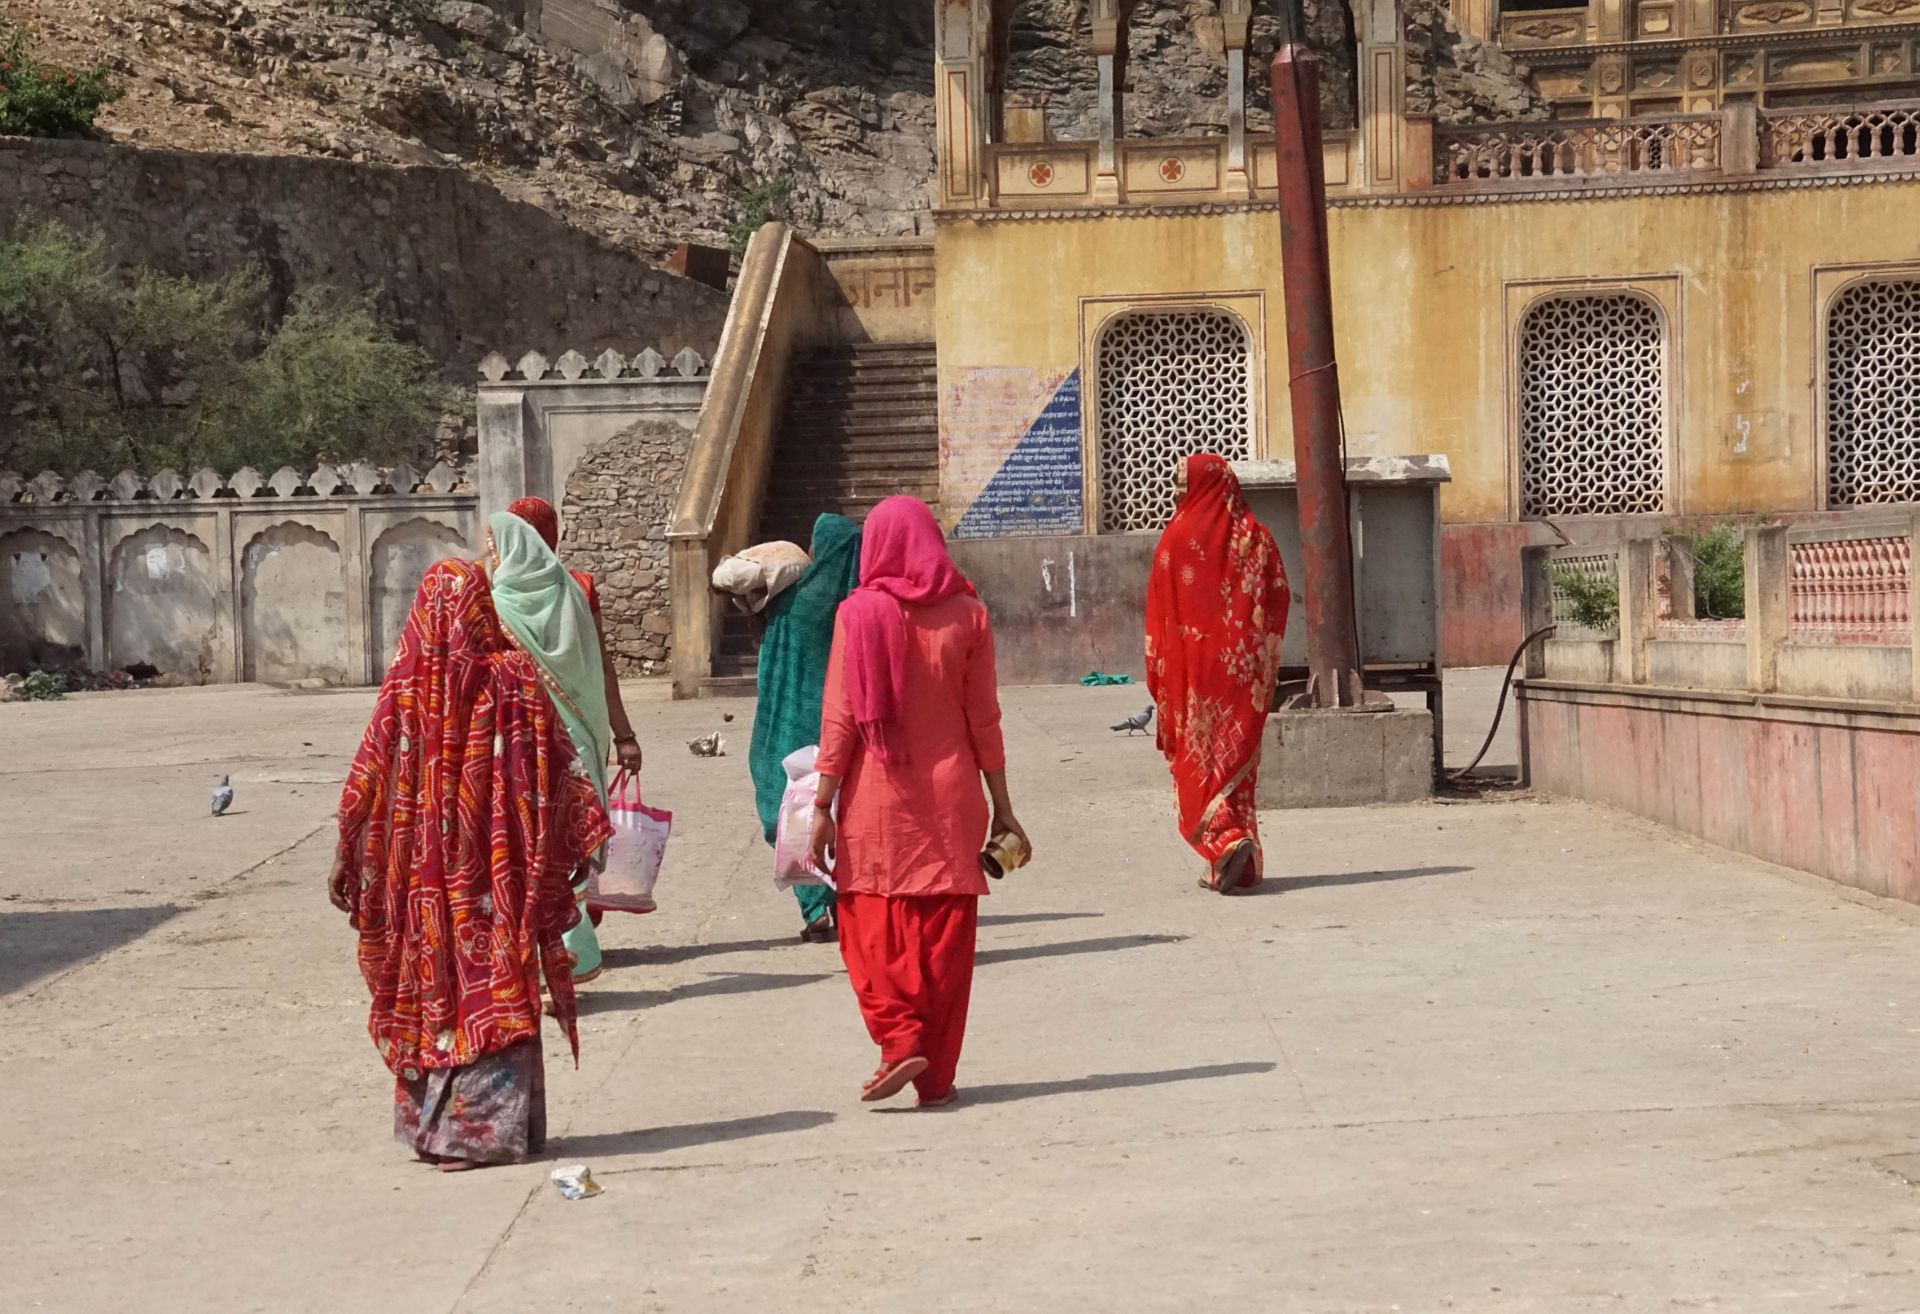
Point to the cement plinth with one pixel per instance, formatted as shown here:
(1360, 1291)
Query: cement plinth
(1332, 759)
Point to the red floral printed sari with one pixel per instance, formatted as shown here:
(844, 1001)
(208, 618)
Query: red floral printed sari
(462, 822)
(1216, 608)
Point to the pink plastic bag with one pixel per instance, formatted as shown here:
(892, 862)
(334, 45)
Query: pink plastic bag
(625, 883)
(793, 832)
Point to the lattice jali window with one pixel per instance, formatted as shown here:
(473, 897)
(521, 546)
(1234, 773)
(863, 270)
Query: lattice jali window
(1873, 393)
(1171, 383)
(1592, 382)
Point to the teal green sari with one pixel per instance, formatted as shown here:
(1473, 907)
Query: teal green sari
(545, 610)
(793, 676)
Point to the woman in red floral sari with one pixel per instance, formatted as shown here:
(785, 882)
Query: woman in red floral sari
(1216, 609)
(465, 816)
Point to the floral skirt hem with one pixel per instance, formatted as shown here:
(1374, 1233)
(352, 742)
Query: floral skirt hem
(493, 1110)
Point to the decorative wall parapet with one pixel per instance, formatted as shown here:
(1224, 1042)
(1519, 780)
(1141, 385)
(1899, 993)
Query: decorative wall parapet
(298, 576)
(1849, 589)
(608, 367)
(359, 479)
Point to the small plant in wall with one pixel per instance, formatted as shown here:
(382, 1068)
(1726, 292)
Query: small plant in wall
(1720, 572)
(760, 204)
(1593, 601)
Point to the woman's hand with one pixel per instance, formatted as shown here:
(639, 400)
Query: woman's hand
(626, 751)
(339, 883)
(823, 838)
(1005, 823)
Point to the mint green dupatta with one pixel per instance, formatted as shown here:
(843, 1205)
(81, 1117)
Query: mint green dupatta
(546, 611)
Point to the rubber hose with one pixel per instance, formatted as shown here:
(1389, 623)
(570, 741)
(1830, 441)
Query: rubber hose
(1501, 707)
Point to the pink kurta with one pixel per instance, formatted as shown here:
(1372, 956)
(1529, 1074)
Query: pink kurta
(916, 826)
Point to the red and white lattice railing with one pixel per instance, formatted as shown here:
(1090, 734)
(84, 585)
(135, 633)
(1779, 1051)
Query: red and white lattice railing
(1852, 590)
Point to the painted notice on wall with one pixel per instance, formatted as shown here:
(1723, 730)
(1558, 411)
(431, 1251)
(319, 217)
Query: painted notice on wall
(1010, 451)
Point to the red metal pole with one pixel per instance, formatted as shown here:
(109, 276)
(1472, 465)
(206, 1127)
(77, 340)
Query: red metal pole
(1333, 656)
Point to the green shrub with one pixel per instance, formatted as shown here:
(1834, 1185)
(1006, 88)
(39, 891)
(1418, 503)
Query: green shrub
(1720, 573)
(38, 99)
(759, 206)
(1594, 600)
(43, 687)
(108, 369)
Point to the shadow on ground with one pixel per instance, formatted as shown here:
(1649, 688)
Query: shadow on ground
(657, 1140)
(1281, 884)
(38, 943)
(1009, 1092)
(1104, 944)
(722, 983)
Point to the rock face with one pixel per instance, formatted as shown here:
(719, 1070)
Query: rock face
(1176, 66)
(648, 121)
(614, 525)
(1459, 78)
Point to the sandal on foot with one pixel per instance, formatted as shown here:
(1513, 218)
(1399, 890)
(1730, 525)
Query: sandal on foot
(819, 931)
(890, 1081)
(1234, 868)
(939, 1101)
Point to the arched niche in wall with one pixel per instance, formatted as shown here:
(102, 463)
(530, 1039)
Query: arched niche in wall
(293, 606)
(161, 606)
(43, 601)
(400, 556)
(1045, 79)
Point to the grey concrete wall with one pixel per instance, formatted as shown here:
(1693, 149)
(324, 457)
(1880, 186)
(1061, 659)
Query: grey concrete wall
(1063, 605)
(304, 577)
(1697, 664)
(458, 267)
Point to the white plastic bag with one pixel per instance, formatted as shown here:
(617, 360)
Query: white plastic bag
(793, 833)
(625, 883)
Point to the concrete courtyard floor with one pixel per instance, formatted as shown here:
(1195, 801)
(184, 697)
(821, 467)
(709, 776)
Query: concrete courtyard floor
(1502, 1054)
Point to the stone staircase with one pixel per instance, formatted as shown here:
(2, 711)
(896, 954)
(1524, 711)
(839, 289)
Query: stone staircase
(861, 424)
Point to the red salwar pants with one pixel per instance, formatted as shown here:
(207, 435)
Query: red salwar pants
(910, 959)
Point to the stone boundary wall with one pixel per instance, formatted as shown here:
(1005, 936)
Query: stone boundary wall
(606, 441)
(614, 524)
(296, 577)
(459, 268)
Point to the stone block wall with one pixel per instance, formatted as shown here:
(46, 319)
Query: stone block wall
(614, 524)
(458, 267)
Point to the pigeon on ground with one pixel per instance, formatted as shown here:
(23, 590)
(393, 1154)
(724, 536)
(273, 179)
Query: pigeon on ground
(1138, 721)
(708, 746)
(222, 796)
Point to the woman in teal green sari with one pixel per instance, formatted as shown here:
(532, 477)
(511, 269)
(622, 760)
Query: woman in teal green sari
(793, 676)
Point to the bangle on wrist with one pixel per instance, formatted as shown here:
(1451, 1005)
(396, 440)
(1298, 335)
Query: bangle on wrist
(626, 739)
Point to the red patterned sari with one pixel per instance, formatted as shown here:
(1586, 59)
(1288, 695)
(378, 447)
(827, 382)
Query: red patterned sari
(462, 823)
(1216, 609)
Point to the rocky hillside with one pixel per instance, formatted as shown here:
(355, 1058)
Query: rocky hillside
(648, 121)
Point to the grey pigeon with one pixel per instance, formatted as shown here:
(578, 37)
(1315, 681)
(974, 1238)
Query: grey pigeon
(708, 746)
(1138, 721)
(222, 796)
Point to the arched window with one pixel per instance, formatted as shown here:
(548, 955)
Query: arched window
(1592, 402)
(1873, 393)
(1170, 383)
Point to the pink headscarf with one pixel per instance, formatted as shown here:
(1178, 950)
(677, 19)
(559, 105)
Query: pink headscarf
(903, 558)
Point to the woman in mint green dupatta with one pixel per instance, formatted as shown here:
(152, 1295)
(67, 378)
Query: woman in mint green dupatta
(546, 611)
(793, 676)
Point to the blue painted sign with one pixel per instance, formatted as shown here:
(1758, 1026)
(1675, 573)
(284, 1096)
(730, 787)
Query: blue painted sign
(1040, 487)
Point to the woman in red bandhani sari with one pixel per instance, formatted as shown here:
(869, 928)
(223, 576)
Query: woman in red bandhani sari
(1216, 609)
(910, 726)
(472, 804)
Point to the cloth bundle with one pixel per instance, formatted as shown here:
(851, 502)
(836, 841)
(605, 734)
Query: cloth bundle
(759, 574)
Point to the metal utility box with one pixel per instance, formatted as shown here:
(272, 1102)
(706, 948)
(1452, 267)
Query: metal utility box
(1394, 517)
